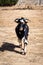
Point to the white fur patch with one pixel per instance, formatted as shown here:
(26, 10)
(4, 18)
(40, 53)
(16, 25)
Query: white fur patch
(21, 20)
(24, 40)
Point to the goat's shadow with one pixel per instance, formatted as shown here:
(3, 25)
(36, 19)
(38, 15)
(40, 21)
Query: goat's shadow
(9, 47)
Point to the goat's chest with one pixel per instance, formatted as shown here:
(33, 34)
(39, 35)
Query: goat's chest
(21, 28)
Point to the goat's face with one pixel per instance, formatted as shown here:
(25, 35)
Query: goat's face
(21, 20)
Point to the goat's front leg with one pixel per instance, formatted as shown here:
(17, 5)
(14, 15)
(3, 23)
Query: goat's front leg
(20, 44)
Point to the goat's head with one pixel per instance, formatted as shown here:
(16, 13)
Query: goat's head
(21, 20)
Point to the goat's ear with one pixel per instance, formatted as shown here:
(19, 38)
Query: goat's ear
(26, 20)
(16, 20)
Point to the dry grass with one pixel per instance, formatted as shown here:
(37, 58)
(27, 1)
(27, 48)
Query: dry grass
(23, 7)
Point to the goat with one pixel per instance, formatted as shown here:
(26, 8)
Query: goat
(22, 30)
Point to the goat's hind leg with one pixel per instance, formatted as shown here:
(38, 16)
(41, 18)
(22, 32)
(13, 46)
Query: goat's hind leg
(25, 45)
(25, 48)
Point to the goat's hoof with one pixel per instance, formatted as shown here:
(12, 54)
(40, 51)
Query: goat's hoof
(23, 53)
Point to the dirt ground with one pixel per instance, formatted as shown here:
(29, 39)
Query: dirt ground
(9, 46)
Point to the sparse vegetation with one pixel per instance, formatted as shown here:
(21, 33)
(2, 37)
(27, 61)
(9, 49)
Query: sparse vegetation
(8, 2)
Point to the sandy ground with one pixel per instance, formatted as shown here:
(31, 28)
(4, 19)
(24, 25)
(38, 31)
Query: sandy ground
(9, 46)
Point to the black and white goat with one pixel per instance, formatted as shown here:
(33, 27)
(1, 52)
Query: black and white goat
(22, 30)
